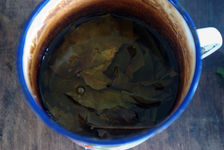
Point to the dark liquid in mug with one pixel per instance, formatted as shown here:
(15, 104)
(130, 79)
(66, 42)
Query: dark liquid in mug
(108, 77)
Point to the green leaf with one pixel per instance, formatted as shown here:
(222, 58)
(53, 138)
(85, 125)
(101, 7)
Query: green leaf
(220, 71)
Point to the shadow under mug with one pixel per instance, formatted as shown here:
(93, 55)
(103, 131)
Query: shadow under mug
(166, 16)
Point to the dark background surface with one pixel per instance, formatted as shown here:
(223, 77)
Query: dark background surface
(200, 127)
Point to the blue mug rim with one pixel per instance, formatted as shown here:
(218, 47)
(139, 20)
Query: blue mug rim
(165, 124)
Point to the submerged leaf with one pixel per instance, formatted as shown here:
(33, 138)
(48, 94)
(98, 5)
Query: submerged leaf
(120, 62)
(147, 39)
(80, 54)
(149, 116)
(146, 72)
(147, 102)
(136, 62)
(164, 82)
(100, 27)
(66, 119)
(121, 81)
(103, 133)
(100, 100)
(97, 81)
(94, 77)
(125, 117)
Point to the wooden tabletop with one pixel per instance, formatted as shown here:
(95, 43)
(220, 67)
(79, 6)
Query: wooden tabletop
(200, 127)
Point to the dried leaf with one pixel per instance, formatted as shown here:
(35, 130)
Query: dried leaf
(136, 62)
(147, 39)
(61, 85)
(125, 117)
(97, 81)
(94, 77)
(146, 102)
(145, 73)
(100, 100)
(68, 64)
(121, 81)
(92, 121)
(98, 27)
(91, 118)
(164, 82)
(66, 119)
(78, 54)
(120, 61)
(149, 116)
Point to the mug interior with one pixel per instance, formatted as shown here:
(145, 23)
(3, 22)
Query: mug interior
(161, 15)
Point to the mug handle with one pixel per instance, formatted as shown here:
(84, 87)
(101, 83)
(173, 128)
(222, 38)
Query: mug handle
(210, 40)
